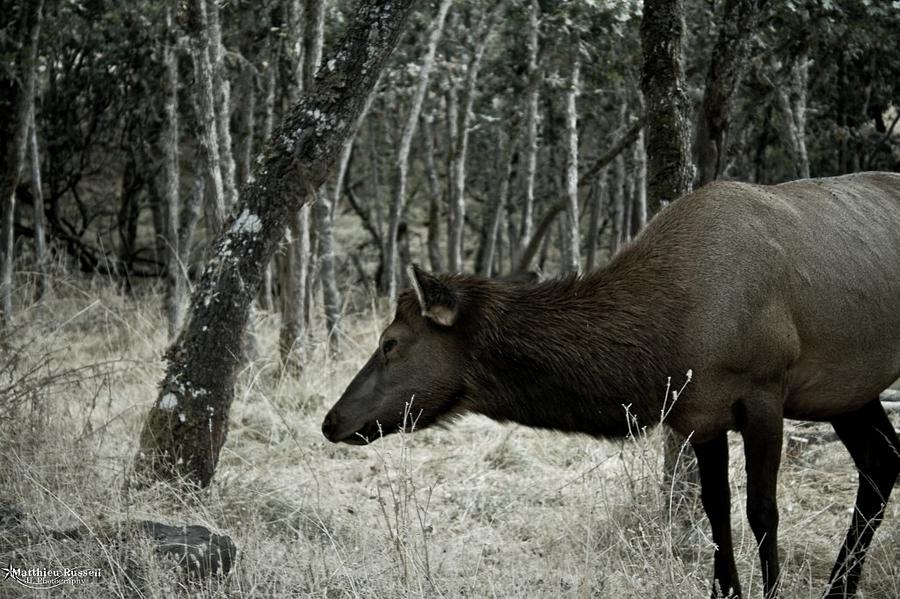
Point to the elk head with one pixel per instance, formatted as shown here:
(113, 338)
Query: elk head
(415, 377)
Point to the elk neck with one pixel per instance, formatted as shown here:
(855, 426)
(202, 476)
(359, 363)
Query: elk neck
(588, 354)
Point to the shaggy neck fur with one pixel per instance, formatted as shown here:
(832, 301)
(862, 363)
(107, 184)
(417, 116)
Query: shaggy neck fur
(582, 354)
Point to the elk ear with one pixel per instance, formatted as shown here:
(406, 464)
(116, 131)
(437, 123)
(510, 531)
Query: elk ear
(439, 303)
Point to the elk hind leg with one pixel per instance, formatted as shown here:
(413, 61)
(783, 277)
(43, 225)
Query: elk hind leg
(873, 444)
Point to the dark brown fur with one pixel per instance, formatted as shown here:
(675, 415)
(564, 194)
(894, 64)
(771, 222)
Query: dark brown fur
(784, 301)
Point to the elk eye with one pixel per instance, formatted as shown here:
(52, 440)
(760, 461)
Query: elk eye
(388, 345)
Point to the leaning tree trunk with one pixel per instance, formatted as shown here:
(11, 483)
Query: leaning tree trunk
(17, 106)
(572, 238)
(402, 162)
(669, 172)
(187, 424)
(457, 220)
(730, 55)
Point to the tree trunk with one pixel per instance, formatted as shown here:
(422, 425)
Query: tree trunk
(617, 197)
(189, 218)
(791, 96)
(175, 280)
(640, 185)
(598, 200)
(572, 237)
(295, 285)
(15, 113)
(325, 214)
(669, 171)
(187, 425)
(402, 162)
(331, 296)
(266, 300)
(434, 198)
(293, 292)
(313, 40)
(42, 278)
(246, 123)
(222, 87)
(507, 149)
(539, 241)
(531, 125)
(628, 211)
(198, 29)
(455, 241)
(730, 56)
(127, 220)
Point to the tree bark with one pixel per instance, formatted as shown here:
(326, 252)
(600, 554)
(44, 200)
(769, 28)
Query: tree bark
(617, 147)
(640, 177)
(246, 123)
(791, 96)
(331, 295)
(222, 86)
(18, 105)
(572, 237)
(402, 161)
(540, 237)
(42, 277)
(669, 169)
(266, 301)
(618, 197)
(435, 198)
(198, 28)
(325, 214)
(498, 205)
(293, 292)
(175, 280)
(455, 241)
(730, 56)
(599, 199)
(531, 125)
(295, 285)
(187, 424)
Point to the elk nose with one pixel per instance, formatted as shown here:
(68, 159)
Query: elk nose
(329, 426)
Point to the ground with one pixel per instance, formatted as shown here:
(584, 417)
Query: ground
(477, 509)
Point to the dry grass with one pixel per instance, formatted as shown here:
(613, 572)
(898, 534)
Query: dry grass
(477, 510)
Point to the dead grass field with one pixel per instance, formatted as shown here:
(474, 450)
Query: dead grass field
(475, 510)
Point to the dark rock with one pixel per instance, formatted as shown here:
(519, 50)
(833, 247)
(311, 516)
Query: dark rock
(196, 549)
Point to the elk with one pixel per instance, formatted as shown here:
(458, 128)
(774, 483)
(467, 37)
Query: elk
(783, 300)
